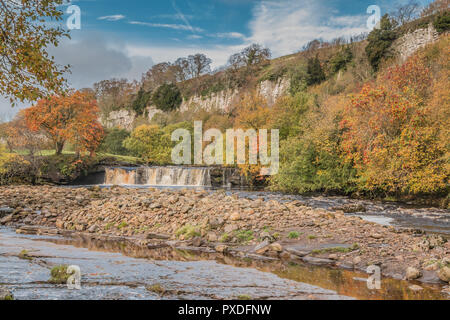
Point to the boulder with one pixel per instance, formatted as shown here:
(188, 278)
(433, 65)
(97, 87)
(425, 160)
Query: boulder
(444, 274)
(221, 248)
(412, 273)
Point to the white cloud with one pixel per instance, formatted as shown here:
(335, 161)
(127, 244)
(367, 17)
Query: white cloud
(166, 25)
(286, 26)
(229, 35)
(116, 17)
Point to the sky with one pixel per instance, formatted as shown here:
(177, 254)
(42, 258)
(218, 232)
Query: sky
(123, 39)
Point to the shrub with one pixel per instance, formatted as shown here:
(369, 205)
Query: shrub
(442, 22)
(167, 97)
(113, 142)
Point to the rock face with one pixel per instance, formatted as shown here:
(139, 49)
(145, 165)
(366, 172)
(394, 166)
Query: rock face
(224, 100)
(411, 42)
(123, 119)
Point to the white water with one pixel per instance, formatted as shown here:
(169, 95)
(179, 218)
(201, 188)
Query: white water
(159, 176)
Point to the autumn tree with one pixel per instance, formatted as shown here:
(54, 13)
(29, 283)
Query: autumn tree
(394, 131)
(250, 56)
(199, 64)
(26, 70)
(72, 118)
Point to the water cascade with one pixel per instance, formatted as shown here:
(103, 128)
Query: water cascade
(159, 176)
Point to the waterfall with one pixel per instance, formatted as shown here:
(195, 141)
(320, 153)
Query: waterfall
(159, 176)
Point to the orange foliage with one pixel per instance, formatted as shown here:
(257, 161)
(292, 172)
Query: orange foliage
(393, 130)
(72, 118)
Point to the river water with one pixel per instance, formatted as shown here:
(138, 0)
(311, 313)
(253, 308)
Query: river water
(121, 270)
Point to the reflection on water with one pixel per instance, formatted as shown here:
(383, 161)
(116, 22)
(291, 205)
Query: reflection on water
(343, 282)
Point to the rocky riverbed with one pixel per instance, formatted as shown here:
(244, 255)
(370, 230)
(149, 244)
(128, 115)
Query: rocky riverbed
(215, 221)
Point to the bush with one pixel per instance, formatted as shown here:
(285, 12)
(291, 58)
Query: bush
(154, 144)
(167, 97)
(442, 22)
(113, 142)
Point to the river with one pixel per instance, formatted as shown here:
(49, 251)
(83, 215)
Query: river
(115, 270)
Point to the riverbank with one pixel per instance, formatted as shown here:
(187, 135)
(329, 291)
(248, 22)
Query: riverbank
(251, 228)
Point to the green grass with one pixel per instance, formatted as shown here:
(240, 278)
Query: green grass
(122, 225)
(244, 297)
(244, 236)
(293, 235)
(49, 153)
(188, 231)
(312, 237)
(59, 275)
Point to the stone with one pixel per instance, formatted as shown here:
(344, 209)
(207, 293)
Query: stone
(92, 229)
(262, 247)
(221, 248)
(6, 219)
(230, 228)
(211, 236)
(412, 273)
(415, 288)
(235, 216)
(215, 223)
(357, 260)
(376, 236)
(444, 274)
(59, 224)
(157, 236)
(197, 242)
(276, 247)
(298, 253)
(333, 256)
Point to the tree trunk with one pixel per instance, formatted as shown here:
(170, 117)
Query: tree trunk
(59, 147)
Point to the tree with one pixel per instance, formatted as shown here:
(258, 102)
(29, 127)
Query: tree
(199, 64)
(406, 13)
(113, 141)
(26, 70)
(140, 103)
(114, 94)
(72, 118)
(380, 41)
(315, 72)
(250, 56)
(167, 97)
(437, 6)
(18, 136)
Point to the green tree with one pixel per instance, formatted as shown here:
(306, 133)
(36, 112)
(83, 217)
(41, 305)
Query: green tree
(341, 59)
(167, 97)
(26, 70)
(315, 71)
(140, 102)
(113, 142)
(380, 41)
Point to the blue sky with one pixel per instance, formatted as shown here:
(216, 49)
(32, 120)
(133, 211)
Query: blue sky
(125, 38)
